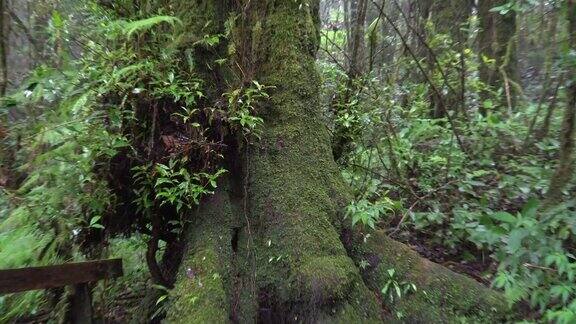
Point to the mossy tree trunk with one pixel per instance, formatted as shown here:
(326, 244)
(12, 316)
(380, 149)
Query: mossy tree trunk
(498, 53)
(271, 244)
(565, 170)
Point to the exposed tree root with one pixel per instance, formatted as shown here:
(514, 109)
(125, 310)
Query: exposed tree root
(442, 296)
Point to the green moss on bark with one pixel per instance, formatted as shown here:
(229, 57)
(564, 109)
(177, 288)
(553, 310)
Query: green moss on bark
(202, 292)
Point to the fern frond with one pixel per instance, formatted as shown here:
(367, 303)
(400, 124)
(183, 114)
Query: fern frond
(145, 24)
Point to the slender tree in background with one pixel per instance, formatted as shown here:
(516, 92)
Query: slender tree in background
(4, 150)
(374, 38)
(541, 52)
(357, 45)
(549, 36)
(388, 48)
(498, 53)
(565, 169)
(355, 19)
(357, 64)
(450, 18)
(347, 19)
(417, 13)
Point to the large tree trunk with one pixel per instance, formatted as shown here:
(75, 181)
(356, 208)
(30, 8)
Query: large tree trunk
(271, 245)
(497, 41)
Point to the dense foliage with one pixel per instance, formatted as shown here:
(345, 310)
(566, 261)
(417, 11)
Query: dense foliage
(468, 189)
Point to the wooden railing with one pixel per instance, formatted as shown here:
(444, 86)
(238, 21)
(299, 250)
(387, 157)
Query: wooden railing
(77, 275)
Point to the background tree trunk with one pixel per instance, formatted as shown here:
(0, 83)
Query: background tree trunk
(419, 13)
(497, 41)
(357, 66)
(449, 18)
(565, 169)
(388, 47)
(357, 49)
(5, 152)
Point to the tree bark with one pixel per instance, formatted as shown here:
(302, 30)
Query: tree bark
(271, 244)
(418, 14)
(357, 61)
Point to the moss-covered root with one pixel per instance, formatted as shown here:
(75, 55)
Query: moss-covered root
(442, 295)
(201, 294)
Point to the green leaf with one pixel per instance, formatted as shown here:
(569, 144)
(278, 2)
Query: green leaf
(161, 299)
(386, 288)
(398, 291)
(504, 217)
(515, 240)
(57, 20)
(529, 210)
(503, 9)
(95, 220)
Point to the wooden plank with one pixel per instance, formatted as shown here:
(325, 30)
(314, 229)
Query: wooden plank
(17, 280)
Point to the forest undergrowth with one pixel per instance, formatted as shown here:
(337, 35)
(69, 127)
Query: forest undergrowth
(468, 190)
